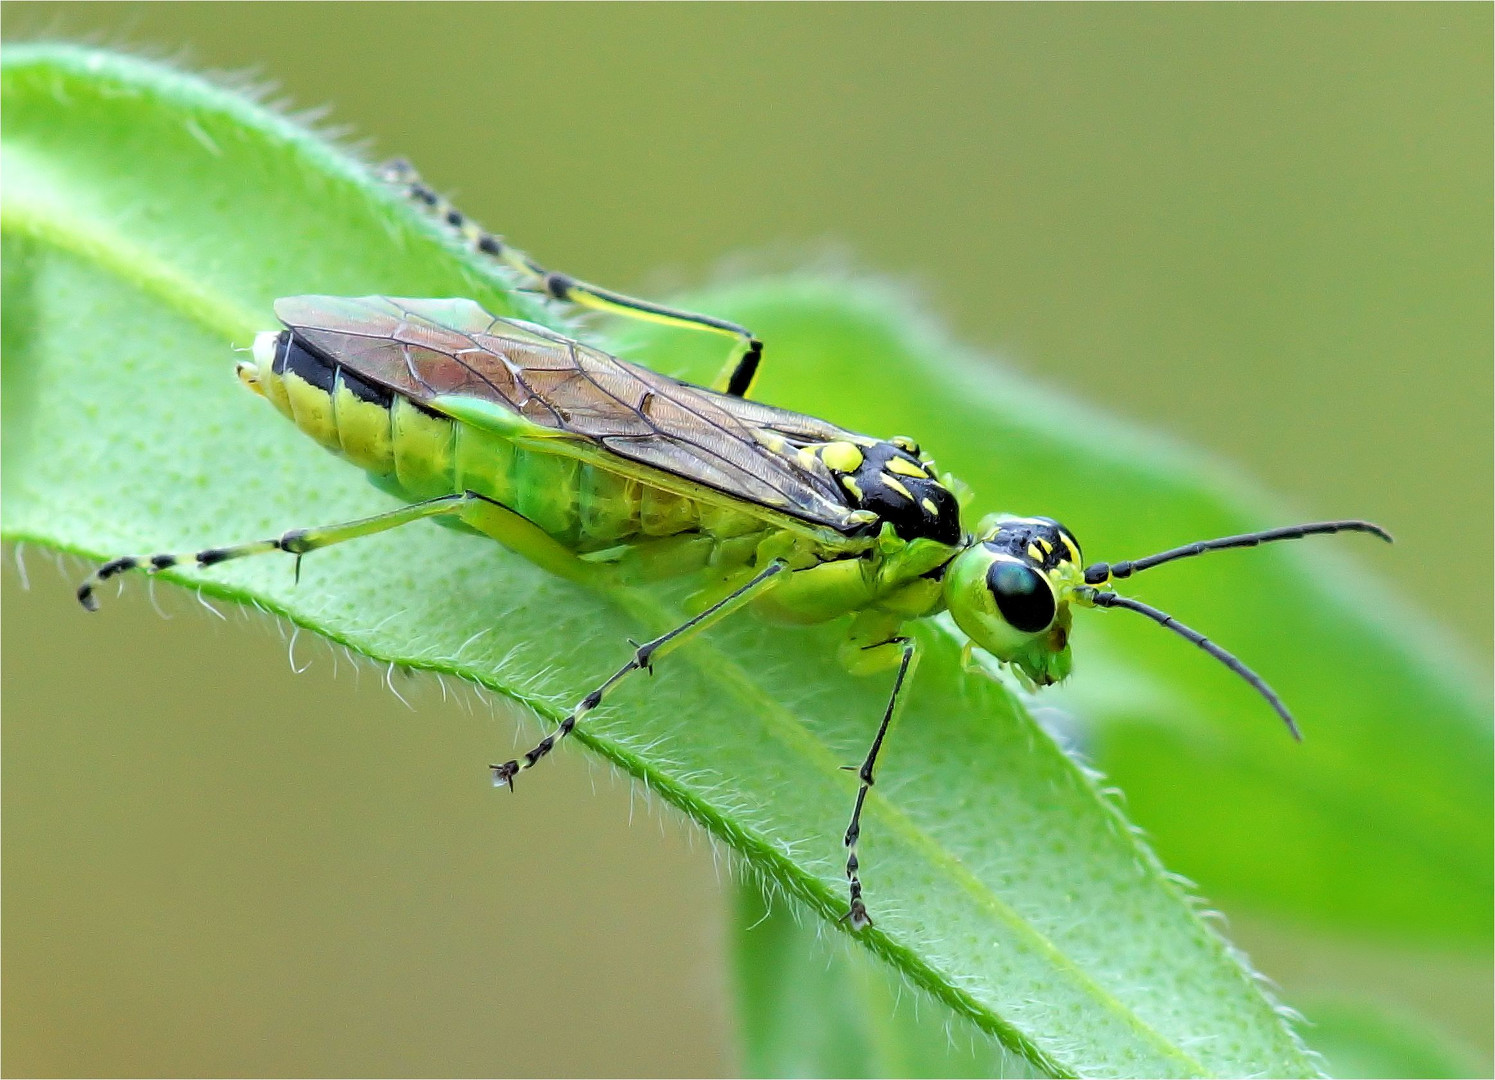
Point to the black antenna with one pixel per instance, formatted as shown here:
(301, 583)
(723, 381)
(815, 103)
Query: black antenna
(1099, 573)
(1110, 599)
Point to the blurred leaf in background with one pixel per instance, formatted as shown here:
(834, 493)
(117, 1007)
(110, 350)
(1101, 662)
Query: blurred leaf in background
(1228, 238)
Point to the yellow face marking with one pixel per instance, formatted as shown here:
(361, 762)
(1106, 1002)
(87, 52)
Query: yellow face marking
(851, 485)
(893, 482)
(904, 467)
(1073, 548)
(841, 456)
(1037, 552)
(929, 507)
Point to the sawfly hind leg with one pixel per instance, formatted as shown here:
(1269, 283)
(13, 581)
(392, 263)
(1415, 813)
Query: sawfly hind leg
(737, 376)
(151, 564)
(297, 542)
(856, 915)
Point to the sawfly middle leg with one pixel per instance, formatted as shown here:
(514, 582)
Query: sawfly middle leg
(643, 660)
(737, 376)
(856, 913)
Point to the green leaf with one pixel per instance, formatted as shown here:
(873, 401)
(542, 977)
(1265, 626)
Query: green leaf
(812, 1006)
(149, 222)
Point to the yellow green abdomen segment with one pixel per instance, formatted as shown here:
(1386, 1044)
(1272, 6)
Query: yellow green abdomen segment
(421, 454)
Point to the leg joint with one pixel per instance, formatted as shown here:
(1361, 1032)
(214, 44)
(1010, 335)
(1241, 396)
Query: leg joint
(116, 566)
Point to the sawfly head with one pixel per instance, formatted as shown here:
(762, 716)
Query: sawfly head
(1010, 590)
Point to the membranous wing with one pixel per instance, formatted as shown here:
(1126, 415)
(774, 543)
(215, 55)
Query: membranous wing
(427, 350)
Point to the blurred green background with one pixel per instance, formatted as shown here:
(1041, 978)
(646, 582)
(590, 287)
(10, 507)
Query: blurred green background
(1264, 230)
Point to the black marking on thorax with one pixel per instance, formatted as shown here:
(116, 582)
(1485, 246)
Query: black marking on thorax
(897, 487)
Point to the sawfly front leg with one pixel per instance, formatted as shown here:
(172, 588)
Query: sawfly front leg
(856, 914)
(643, 660)
(297, 542)
(736, 378)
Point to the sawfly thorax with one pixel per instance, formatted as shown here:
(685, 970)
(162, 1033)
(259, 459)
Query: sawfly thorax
(1009, 591)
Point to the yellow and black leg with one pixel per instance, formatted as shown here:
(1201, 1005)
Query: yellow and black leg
(297, 542)
(643, 660)
(857, 913)
(741, 369)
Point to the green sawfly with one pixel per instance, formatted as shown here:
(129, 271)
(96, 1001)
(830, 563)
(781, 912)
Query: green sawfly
(601, 470)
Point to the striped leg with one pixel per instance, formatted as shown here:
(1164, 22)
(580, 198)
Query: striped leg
(857, 913)
(742, 367)
(297, 542)
(643, 660)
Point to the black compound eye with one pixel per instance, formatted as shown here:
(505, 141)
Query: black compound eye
(1023, 596)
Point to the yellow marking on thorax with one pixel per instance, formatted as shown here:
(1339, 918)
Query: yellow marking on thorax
(904, 467)
(841, 456)
(893, 482)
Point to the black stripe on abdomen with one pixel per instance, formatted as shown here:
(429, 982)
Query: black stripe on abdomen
(293, 355)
